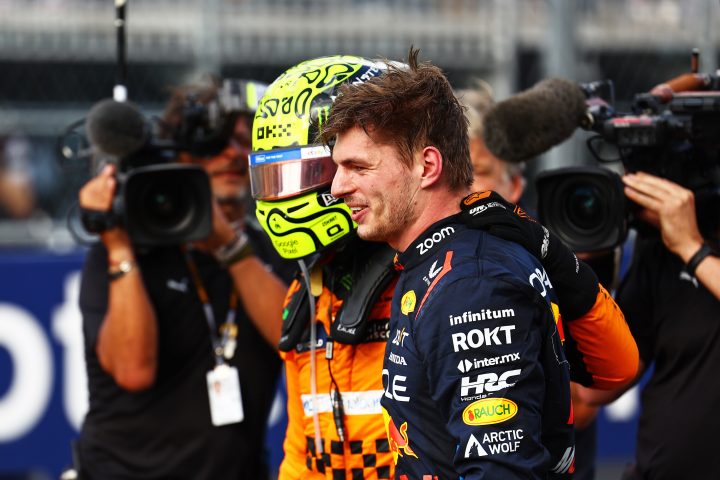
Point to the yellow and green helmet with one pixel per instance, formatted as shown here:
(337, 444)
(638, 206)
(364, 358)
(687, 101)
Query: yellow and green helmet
(290, 174)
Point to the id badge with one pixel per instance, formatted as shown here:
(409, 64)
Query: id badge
(223, 384)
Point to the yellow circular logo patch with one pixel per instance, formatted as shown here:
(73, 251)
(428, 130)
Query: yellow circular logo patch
(407, 303)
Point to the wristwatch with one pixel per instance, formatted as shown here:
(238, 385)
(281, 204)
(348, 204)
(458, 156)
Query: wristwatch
(122, 268)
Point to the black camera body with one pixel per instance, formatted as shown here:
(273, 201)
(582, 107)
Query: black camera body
(164, 204)
(674, 135)
(157, 200)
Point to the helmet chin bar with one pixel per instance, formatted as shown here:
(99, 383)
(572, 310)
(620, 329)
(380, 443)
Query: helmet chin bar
(306, 224)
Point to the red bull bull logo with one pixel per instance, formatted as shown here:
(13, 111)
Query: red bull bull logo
(397, 437)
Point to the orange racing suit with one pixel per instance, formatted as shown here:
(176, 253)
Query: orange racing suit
(354, 370)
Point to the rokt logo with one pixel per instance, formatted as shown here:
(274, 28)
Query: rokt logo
(436, 237)
(489, 411)
(477, 337)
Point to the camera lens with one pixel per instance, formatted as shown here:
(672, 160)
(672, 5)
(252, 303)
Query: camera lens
(167, 207)
(167, 204)
(584, 207)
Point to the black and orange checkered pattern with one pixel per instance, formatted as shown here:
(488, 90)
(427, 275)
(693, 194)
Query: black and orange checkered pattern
(351, 460)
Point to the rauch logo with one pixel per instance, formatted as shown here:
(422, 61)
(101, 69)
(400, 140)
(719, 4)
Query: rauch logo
(489, 411)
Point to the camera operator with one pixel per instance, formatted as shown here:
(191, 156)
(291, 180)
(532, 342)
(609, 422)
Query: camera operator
(179, 340)
(671, 209)
(670, 299)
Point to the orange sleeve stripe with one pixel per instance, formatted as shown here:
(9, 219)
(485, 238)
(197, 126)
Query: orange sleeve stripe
(606, 344)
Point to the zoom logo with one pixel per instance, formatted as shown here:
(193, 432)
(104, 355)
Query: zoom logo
(436, 237)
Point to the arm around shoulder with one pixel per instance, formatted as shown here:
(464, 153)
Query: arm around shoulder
(608, 348)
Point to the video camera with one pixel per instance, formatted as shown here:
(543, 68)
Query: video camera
(157, 200)
(671, 132)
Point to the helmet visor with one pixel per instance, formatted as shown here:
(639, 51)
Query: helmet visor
(282, 173)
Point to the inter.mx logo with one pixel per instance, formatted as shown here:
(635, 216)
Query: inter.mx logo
(466, 365)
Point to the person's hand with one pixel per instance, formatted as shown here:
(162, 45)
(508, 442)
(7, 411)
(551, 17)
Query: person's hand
(669, 207)
(97, 194)
(96, 199)
(574, 281)
(488, 210)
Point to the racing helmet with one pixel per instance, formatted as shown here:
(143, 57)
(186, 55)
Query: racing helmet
(290, 174)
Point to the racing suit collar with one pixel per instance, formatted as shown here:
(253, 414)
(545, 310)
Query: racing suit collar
(429, 241)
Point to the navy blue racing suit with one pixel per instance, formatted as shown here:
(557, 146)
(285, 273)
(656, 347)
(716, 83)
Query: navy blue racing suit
(476, 382)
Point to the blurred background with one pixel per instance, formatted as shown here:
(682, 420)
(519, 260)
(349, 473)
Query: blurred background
(58, 57)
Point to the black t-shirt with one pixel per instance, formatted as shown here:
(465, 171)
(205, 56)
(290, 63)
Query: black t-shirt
(677, 327)
(166, 432)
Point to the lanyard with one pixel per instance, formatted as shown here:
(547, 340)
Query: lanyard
(223, 347)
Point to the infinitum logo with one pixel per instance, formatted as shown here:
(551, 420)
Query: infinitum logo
(484, 314)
